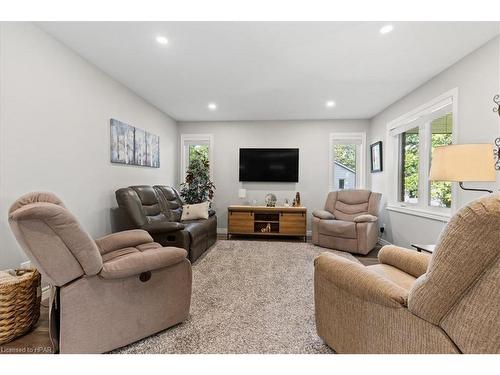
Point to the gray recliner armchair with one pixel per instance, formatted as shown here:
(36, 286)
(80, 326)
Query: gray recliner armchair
(106, 293)
(349, 221)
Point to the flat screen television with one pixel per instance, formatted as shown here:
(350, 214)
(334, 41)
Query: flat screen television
(269, 164)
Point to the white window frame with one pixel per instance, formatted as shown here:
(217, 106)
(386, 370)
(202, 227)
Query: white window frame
(187, 139)
(336, 138)
(419, 117)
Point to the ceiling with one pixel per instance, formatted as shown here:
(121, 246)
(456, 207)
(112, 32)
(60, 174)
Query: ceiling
(272, 70)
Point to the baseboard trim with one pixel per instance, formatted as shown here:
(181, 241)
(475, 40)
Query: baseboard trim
(383, 242)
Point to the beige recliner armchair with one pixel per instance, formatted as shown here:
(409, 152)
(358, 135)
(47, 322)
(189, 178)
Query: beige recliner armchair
(108, 292)
(412, 302)
(349, 221)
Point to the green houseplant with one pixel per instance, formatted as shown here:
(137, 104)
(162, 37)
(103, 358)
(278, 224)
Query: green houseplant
(198, 187)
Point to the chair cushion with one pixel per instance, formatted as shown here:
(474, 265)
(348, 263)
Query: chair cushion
(170, 201)
(348, 212)
(132, 261)
(353, 196)
(398, 277)
(338, 228)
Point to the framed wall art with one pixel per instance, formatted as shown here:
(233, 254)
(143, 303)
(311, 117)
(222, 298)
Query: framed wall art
(376, 157)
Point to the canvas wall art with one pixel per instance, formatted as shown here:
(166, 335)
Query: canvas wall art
(122, 142)
(134, 146)
(140, 147)
(152, 150)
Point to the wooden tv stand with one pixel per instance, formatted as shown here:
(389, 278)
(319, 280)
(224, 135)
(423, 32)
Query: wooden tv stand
(276, 221)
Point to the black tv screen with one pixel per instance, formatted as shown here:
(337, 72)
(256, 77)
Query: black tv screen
(269, 164)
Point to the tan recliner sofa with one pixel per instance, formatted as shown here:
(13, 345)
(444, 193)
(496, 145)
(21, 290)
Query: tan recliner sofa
(416, 303)
(349, 221)
(107, 293)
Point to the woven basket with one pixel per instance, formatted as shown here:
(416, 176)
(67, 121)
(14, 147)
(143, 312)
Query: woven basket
(20, 297)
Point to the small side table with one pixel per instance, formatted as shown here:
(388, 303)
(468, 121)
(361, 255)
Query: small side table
(426, 248)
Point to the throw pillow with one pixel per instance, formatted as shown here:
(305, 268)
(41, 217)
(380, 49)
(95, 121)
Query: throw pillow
(195, 211)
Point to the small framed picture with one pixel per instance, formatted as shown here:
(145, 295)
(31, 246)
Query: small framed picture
(376, 157)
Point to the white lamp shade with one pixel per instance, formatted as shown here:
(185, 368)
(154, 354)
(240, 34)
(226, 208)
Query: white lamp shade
(469, 162)
(242, 193)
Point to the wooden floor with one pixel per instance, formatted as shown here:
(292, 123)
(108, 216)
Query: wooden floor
(38, 342)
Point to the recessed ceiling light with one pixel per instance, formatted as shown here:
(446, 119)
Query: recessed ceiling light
(162, 40)
(330, 104)
(212, 106)
(386, 29)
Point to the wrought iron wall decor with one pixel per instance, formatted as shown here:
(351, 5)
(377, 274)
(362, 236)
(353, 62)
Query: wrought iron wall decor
(496, 100)
(496, 150)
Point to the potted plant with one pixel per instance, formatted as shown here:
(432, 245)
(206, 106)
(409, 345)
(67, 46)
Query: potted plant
(198, 187)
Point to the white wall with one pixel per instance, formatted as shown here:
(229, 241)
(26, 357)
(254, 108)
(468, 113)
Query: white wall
(311, 137)
(54, 132)
(477, 77)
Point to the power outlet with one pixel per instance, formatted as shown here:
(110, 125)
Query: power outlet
(25, 265)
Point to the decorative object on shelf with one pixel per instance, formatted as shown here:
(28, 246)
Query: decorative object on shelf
(296, 200)
(198, 187)
(461, 163)
(286, 203)
(496, 150)
(376, 157)
(266, 229)
(20, 302)
(270, 200)
(133, 146)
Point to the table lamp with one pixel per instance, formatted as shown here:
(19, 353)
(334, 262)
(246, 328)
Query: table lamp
(462, 163)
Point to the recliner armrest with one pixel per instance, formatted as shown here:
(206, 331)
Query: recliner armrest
(120, 240)
(323, 215)
(163, 227)
(365, 219)
(356, 279)
(409, 261)
(149, 259)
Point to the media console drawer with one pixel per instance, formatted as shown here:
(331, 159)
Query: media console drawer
(267, 221)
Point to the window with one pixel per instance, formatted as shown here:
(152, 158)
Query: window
(441, 135)
(194, 146)
(412, 139)
(347, 155)
(409, 166)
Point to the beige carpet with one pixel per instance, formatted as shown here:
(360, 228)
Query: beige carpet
(248, 297)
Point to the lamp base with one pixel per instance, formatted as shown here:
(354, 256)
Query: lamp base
(471, 189)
